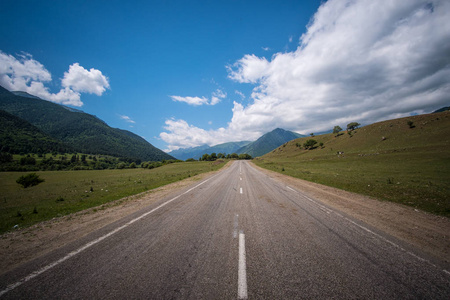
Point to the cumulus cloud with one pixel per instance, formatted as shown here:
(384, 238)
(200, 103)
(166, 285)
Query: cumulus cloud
(359, 60)
(182, 135)
(23, 73)
(127, 119)
(250, 69)
(216, 97)
(83, 81)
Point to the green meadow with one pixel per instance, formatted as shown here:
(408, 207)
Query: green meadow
(389, 160)
(65, 192)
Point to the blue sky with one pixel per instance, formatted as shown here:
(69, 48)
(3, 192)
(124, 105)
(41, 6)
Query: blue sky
(185, 73)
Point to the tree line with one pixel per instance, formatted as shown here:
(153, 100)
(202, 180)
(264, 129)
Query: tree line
(214, 156)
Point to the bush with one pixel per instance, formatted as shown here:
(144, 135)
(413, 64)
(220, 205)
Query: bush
(309, 144)
(29, 180)
(410, 124)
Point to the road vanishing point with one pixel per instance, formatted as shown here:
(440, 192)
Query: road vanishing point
(238, 234)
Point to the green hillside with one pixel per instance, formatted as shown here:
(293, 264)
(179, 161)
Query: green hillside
(392, 160)
(83, 132)
(268, 142)
(19, 136)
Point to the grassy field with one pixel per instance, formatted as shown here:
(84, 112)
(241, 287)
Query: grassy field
(65, 192)
(387, 160)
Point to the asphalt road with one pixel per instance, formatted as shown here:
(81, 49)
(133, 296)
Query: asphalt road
(237, 234)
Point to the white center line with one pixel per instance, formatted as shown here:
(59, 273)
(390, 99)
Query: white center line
(236, 225)
(241, 190)
(242, 272)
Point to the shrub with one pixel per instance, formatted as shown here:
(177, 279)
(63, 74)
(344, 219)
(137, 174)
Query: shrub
(410, 124)
(309, 144)
(29, 180)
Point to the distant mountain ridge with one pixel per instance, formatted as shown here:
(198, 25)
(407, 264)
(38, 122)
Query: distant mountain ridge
(197, 152)
(81, 131)
(269, 142)
(261, 146)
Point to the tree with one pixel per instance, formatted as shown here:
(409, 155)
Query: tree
(206, 157)
(213, 156)
(410, 124)
(352, 126)
(27, 160)
(245, 156)
(309, 144)
(5, 157)
(31, 179)
(337, 129)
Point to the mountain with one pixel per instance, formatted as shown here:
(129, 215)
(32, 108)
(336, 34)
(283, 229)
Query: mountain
(83, 132)
(442, 109)
(185, 153)
(197, 152)
(24, 94)
(268, 142)
(18, 135)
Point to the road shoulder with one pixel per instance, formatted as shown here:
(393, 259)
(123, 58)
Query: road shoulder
(427, 232)
(23, 245)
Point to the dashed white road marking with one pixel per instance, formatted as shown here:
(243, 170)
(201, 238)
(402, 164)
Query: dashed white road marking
(92, 243)
(241, 190)
(242, 271)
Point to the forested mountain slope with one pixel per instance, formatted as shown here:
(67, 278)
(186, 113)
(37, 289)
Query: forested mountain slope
(84, 132)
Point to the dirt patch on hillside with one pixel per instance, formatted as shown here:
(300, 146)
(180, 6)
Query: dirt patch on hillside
(429, 233)
(25, 244)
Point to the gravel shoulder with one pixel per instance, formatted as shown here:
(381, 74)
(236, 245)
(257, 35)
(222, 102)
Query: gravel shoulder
(427, 232)
(23, 245)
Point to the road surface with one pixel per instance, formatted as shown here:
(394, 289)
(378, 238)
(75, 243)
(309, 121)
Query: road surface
(236, 235)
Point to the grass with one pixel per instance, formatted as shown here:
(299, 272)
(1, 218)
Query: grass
(387, 160)
(65, 192)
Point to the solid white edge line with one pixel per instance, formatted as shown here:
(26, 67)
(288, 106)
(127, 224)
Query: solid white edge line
(242, 271)
(371, 232)
(88, 245)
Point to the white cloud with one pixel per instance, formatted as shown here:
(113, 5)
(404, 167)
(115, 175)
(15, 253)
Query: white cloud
(28, 75)
(360, 60)
(81, 80)
(250, 69)
(196, 101)
(127, 119)
(216, 97)
(182, 135)
(265, 48)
